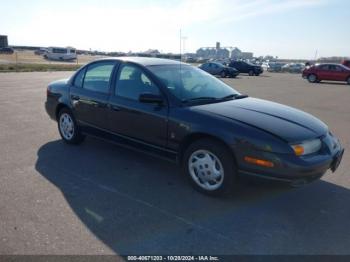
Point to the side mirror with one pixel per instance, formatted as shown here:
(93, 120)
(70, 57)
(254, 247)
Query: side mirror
(150, 98)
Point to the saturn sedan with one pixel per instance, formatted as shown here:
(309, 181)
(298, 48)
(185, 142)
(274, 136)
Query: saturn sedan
(181, 113)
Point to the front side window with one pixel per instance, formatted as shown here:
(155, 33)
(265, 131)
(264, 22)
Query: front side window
(188, 82)
(338, 69)
(132, 82)
(97, 76)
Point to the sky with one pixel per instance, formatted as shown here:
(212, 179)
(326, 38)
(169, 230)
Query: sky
(283, 28)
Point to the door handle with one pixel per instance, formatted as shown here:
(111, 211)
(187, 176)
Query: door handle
(115, 108)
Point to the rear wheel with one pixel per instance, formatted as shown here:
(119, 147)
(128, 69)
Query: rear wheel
(312, 78)
(209, 167)
(68, 128)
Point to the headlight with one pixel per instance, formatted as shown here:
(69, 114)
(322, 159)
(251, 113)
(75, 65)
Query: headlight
(307, 147)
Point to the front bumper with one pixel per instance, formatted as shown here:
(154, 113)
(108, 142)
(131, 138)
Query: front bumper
(290, 168)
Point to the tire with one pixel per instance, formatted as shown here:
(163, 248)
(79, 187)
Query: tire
(223, 74)
(68, 128)
(251, 73)
(348, 80)
(203, 158)
(312, 78)
(257, 74)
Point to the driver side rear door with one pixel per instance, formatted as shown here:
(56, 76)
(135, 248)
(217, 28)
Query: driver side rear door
(90, 92)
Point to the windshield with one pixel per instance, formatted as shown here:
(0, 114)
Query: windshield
(188, 82)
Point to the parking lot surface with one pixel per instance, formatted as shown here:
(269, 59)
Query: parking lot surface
(98, 198)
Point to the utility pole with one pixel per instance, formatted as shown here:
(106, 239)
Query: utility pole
(316, 53)
(180, 45)
(184, 38)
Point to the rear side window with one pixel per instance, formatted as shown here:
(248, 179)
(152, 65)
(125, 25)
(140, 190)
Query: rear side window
(98, 75)
(78, 81)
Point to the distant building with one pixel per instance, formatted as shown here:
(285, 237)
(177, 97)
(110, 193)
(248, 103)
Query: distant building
(3, 41)
(219, 52)
(151, 52)
(236, 53)
(246, 55)
(213, 52)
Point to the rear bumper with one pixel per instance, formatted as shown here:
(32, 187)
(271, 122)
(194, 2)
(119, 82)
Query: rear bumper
(50, 110)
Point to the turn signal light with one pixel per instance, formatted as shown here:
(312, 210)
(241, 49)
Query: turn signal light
(259, 162)
(298, 150)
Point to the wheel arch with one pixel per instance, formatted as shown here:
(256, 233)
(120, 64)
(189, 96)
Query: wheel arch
(191, 138)
(59, 107)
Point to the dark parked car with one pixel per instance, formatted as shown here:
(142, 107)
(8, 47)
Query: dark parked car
(7, 50)
(183, 114)
(275, 67)
(219, 69)
(246, 67)
(333, 72)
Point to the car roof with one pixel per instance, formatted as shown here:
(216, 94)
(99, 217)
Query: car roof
(329, 64)
(145, 61)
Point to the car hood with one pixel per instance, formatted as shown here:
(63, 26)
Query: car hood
(290, 124)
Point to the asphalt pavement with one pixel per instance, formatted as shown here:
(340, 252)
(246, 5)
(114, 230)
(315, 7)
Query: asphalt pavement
(98, 198)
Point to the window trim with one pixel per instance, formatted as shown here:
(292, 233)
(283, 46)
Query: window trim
(76, 75)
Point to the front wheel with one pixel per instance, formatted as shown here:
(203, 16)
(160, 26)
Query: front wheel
(348, 81)
(68, 128)
(251, 73)
(223, 74)
(312, 78)
(209, 167)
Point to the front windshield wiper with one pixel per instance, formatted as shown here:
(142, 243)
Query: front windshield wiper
(210, 98)
(233, 96)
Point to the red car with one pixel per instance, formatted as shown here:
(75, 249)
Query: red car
(346, 63)
(333, 72)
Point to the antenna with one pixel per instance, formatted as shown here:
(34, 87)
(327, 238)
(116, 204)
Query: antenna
(316, 55)
(180, 46)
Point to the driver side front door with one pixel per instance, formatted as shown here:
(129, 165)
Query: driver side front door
(131, 118)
